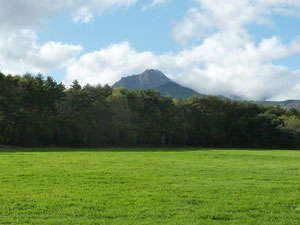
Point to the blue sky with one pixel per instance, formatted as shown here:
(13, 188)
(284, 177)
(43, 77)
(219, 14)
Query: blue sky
(146, 30)
(233, 47)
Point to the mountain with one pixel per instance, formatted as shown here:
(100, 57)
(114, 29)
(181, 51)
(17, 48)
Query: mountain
(150, 79)
(156, 80)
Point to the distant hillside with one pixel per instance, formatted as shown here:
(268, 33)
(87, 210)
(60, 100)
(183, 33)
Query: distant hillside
(156, 80)
(285, 104)
(175, 90)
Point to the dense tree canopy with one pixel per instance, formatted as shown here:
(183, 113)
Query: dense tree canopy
(38, 111)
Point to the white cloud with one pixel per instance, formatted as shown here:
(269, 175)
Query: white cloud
(227, 61)
(84, 11)
(217, 66)
(20, 14)
(194, 26)
(247, 71)
(21, 53)
(156, 3)
(159, 2)
(231, 15)
(109, 64)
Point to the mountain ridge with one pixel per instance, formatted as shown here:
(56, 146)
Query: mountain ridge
(156, 80)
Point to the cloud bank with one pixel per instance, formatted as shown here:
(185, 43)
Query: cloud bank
(20, 14)
(227, 60)
(215, 67)
(107, 65)
(20, 53)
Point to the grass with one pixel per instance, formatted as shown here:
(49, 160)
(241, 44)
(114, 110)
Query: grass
(149, 186)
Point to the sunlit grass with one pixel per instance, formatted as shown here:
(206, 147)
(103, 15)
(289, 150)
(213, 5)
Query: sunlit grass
(149, 186)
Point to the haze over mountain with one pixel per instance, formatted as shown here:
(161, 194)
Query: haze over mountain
(156, 80)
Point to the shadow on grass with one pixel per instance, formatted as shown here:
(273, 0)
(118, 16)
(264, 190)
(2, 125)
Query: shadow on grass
(12, 149)
(100, 149)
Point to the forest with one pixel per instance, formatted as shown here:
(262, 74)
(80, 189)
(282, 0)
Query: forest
(38, 111)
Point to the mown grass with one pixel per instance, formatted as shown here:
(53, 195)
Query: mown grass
(149, 186)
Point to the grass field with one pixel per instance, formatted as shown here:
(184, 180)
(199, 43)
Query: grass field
(149, 186)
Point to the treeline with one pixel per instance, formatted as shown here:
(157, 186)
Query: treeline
(35, 111)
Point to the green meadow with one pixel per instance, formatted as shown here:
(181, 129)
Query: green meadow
(149, 186)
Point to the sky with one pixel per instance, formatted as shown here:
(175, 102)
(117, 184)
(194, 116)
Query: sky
(245, 48)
